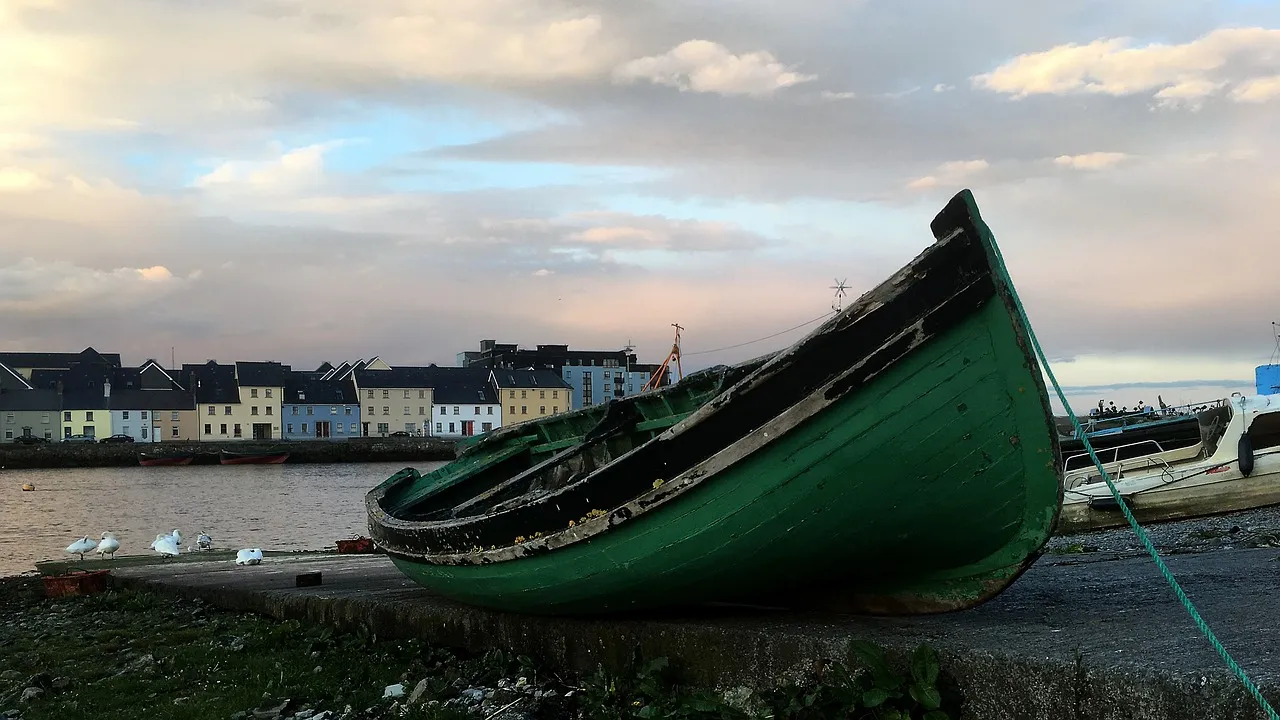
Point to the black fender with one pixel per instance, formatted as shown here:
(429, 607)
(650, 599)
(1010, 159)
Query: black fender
(1245, 454)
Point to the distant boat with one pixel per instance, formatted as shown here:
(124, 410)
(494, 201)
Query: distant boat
(161, 460)
(234, 458)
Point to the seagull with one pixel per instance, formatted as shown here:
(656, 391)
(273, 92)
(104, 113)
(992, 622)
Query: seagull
(166, 545)
(81, 546)
(249, 556)
(204, 541)
(109, 545)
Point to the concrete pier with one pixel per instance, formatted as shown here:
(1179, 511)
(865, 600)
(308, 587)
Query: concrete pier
(1077, 637)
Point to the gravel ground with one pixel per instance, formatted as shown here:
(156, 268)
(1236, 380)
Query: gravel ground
(1247, 529)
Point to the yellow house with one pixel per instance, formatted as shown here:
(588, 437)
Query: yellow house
(261, 391)
(392, 399)
(86, 402)
(530, 394)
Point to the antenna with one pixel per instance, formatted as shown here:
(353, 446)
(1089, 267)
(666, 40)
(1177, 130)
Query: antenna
(839, 287)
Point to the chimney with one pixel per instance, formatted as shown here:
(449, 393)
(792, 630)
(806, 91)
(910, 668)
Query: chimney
(106, 388)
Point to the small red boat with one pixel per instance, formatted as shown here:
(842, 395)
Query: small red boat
(164, 460)
(235, 458)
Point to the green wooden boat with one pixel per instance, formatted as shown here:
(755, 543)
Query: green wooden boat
(900, 459)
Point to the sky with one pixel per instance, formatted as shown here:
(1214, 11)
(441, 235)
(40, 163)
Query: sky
(332, 180)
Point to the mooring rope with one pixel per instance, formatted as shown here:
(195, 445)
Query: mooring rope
(1124, 507)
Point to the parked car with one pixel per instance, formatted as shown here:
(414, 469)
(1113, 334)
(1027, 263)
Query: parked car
(79, 438)
(118, 438)
(399, 433)
(30, 439)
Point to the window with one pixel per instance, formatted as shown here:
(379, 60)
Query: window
(347, 410)
(295, 410)
(513, 409)
(223, 429)
(542, 409)
(253, 393)
(144, 414)
(455, 409)
(386, 394)
(422, 394)
(268, 392)
(340, 430)
(311, 409)
(207, 430)
(370, 409)
(406, 394)
(124, 415)
(226, 410)
(8, 434)
(173, 417)
(438, 427)
(542, 394)
(124, 430)
(444, 410)
(236, 431)
(488, 410)
(486, 426)
(253, 410)
(476, 411)
(333, 409)
(386, 410)
(174, 434)
(450, 427)
(555, 409)
(406, 410)
(213, 410)
(268, 408)
(66, 417)
(304, 428)
(555, 394)
(411, 427)
(524, 410)
(370, 394)
(384, 428)
(524, 394)
(44, 418)
(422, 410)
(288, 428)
(512, 394)
(88, 430)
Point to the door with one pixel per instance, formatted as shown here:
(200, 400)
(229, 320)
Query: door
(468, 428)
(262, 431)
(322, 429)
(364, 429)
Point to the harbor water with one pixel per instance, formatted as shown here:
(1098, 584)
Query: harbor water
(274, 507)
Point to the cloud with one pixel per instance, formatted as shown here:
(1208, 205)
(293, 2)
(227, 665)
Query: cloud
(1090, 161)
(703, 66)
(1190, 72)
(950, 173)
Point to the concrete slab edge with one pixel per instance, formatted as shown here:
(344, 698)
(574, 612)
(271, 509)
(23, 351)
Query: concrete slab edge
(993, 686)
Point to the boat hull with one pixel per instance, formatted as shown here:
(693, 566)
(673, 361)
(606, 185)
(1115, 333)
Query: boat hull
(1155, 502)
(227, 458)
(920, 476)
(165, 461)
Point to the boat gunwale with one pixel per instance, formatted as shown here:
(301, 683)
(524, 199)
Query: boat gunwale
(790, 417)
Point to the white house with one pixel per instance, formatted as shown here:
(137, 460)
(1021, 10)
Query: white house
(465, 403)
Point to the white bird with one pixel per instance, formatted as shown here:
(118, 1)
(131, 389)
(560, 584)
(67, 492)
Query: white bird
(249, 556)
(165, 545)
(82, 546)
(177, 536)
(109, 545)
(204, 541)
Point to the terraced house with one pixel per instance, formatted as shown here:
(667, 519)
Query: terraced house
(530, 394)
(393, 399)
(261, 391)
(315, 408)
(465, 402)
(218, 415)
(149, 405)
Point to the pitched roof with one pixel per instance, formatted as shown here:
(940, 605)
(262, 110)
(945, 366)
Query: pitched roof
(57, 361)
(212, 383)
(151, 400)
(303, 389)
(261, 374)
(396, 377)
(10, 379)
(529, 379)
(462, 386)
(30, 400)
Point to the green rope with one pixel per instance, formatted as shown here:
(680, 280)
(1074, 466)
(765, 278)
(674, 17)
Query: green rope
(1124, 507)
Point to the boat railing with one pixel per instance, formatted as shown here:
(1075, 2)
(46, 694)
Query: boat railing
(1115, 453)
(1098, 423)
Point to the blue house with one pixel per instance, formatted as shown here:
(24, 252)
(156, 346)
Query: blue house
(319, 409)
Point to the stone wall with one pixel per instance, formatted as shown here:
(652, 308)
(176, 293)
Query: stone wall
(69, 455)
